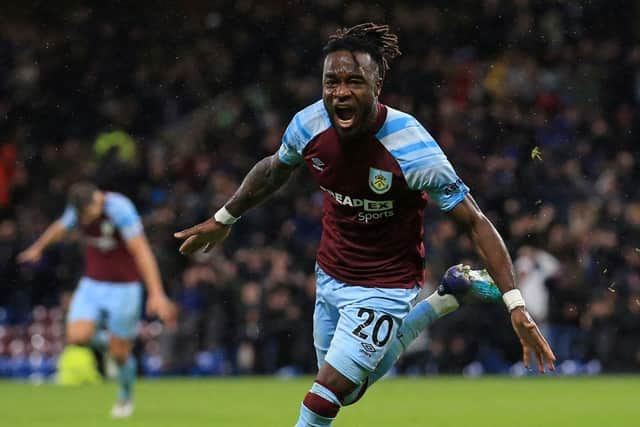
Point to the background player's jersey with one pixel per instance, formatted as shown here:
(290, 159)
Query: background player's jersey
(374, 194)
(106, 256)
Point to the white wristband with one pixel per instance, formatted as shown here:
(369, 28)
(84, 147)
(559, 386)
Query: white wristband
(224, 217)
(513, 299)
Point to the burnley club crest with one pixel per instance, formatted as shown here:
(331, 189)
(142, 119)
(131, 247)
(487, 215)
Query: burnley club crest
(379, 180)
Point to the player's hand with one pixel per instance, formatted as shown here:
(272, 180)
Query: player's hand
(204, 235)
(163, 308)
(532, 340)
(31, 254)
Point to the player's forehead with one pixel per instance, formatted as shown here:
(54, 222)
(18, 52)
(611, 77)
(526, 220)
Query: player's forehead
(344, 62)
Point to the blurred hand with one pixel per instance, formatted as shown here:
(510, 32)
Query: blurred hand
(532, 340)
(161, 306)
(204, 235)
(31, 254)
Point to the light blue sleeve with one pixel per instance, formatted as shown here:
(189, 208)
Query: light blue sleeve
(292, 140)
(124, 215)
(69, 218)
(424, 165)
(305, 125)
(445, 188)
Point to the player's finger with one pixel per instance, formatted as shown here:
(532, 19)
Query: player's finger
(169, 319)
(526, 357)
(25, 257)
(540, 361)
(187, 232)
(149, 310)
(549, 356)
(187, 247)
(550, 364)
(190, 245)
(545, 350)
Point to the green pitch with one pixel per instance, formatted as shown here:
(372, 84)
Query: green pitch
(266, 402)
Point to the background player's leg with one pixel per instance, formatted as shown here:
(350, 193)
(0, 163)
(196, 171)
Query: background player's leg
(85, 333)
(83, 316)
(84, 313)
(80, 332)
(120, 351)
(123, 313)
(82, 323)
(77, 364)
(100, 340)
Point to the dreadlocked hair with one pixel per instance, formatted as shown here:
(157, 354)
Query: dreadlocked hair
(376, 40)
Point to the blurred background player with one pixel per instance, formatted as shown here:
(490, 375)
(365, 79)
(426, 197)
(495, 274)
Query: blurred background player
(374, 165)
(117, 257)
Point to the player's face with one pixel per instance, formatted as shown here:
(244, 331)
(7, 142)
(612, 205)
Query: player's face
(351, 85)
(93, 209)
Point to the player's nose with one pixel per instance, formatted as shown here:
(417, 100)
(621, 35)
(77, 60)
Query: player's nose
(342, 91)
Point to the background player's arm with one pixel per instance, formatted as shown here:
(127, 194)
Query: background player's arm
(493, 252)
(54, 233)
(125, 217)
(157, 303)
(262, 181)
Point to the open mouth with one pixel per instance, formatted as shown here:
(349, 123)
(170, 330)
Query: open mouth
(344, 116)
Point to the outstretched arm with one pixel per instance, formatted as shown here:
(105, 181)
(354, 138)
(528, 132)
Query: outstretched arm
(52, 234)
(262, 181)
(493, 252)
(487, 242)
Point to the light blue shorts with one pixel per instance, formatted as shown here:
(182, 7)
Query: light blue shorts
(353, 326)
(117, 304)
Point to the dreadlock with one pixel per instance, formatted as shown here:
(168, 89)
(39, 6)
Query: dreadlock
(376, 40)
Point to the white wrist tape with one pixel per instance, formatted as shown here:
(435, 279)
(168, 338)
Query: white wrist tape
(224, 217)
(513, 299)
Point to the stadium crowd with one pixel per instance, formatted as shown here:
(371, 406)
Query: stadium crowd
(535, 103)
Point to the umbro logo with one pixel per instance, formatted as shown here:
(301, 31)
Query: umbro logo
(367, 349)
(317, 164)
(453, 187)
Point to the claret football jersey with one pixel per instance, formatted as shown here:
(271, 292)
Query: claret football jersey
(374, 194)
(106, 256)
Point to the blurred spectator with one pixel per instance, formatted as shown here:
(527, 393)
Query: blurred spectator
(533, 267)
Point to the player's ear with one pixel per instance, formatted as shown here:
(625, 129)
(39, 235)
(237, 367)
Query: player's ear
(378, 86)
